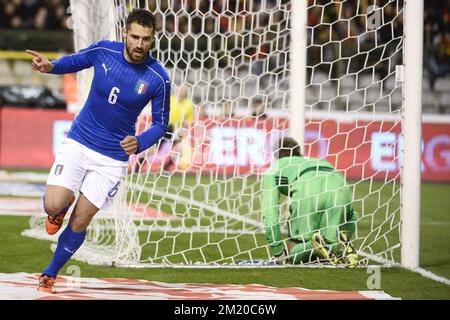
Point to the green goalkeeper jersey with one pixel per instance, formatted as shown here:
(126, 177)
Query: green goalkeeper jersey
(281, 178)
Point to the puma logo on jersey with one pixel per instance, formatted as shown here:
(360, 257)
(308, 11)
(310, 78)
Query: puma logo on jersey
(106, 69)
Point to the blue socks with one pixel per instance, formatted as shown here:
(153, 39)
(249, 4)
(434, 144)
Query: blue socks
(68, 243)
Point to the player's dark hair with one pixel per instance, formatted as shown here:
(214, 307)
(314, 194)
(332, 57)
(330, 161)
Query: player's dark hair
(141, 16)
(288, 147)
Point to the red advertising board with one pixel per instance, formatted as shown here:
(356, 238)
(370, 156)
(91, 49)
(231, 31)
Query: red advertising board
(26, 136)
(359, 148)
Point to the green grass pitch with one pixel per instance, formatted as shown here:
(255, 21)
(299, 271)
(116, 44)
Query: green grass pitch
(21, 254)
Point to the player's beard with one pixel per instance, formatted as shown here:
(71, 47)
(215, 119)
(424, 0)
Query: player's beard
(131, 51)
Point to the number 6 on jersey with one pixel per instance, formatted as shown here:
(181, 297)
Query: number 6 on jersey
(113, 96)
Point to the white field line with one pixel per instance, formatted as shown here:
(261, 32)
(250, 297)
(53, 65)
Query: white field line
(423, 272)
(203, 206)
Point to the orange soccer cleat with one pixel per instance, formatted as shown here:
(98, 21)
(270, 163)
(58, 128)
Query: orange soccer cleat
(46, 284)
(54, 223)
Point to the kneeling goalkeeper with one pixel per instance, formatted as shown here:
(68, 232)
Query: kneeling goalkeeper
(322, 219)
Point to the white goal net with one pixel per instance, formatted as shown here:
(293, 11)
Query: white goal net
(195, 198)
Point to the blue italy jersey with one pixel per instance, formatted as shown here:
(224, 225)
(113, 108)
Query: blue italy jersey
(119, 92)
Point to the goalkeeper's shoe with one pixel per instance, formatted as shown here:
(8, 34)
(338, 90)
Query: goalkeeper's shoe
(347, 253)
(322, 249)
(46, 284)
(54, 223)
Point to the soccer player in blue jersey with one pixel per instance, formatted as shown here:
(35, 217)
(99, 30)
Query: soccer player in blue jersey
(93, 158)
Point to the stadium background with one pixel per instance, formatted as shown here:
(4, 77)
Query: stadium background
(33, 115)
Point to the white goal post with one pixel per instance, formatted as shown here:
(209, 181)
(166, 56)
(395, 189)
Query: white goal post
(411, 76)
(412, 132)
(343, 77)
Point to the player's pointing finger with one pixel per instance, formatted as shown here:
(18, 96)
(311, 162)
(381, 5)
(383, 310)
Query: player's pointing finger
(34, 53)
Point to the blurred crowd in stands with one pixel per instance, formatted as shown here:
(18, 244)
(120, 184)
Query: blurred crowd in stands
(34, 14)
(349, 36)
(195, 33)
(53, 15)
(437, 39)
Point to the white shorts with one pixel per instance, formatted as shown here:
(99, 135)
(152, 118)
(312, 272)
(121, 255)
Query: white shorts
(79, 168)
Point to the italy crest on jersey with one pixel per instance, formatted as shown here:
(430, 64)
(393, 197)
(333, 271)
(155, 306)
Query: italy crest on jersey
(141, 87)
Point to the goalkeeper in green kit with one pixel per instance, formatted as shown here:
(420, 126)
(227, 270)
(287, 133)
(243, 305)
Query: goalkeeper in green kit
(322, 219)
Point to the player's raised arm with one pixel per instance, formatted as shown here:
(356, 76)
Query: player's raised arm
(68, 64)
(39, 62)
